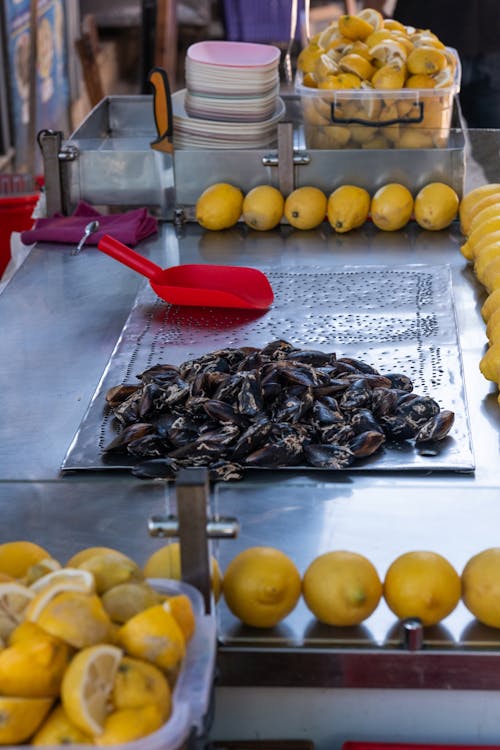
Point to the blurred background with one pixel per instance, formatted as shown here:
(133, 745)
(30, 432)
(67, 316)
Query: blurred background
(84, 50)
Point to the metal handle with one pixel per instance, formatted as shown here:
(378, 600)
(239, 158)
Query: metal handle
(216, 528)
(378, 123)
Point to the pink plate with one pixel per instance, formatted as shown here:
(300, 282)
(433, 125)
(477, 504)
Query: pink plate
(234, 54)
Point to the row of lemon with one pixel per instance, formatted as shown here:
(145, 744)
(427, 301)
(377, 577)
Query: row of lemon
(342, 588)
(90, 651)
(347, 207)
(480, 223)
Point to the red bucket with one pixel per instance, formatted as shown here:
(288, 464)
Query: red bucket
(16, 209)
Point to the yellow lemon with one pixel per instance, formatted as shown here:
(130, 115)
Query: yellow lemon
(372, 16)
(325, 66)
(87, 685)
(110, 569)
(26, 630)
(129, 724)
(391, 207)
(34, 667)
(341, 588)
(18, 556)
(348, 207)
(444, 79)
(484, 243)
(57, 729)
(340, 81)
(423, 585)
(166, 563)
(305, 207)
(392, 25)
(489, 273)
(155, 636)
(471, 199)
(490, 363)
(128, 599)
(358, 65)
(219, 206)
(307, 58)
(490, 305)
(84, 554)
(493, 327)
(436, 205)
(488, 212)
(426, 60)
(481, 261)
(310, 80)
(389, 50)
(40, 569)
(389, 76)
(261, 586)
(420, 81)
(482, 203)
(139, 683)
(181, 608)
(65, 579)
(481, 586)
(76, 618)
(413, 138)
(263, 207)
(21, 717)
(354, 27)
(14, 599)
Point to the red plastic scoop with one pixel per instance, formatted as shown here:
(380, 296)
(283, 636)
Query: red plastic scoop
(197, 285)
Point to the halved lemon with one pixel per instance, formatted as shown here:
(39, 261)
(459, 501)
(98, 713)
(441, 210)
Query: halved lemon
(14, 599)
(87, 685)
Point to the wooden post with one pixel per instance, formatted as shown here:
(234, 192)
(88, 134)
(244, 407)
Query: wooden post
(166, 38)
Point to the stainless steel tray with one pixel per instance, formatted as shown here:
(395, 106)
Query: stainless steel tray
(398, 319)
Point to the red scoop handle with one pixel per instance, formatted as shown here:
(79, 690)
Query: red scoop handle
(129, 257)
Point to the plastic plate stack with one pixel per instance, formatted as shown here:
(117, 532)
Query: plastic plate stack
(231, 99)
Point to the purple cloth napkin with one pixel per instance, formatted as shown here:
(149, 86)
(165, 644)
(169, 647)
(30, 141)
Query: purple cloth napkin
(130, 227)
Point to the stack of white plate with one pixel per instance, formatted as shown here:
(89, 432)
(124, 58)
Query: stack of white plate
(232, 96)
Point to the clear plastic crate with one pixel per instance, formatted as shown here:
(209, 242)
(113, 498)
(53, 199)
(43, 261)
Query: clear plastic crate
(193, 689)
(378, 118)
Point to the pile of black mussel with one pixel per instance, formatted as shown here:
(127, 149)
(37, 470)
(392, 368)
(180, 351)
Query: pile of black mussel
(271, 407)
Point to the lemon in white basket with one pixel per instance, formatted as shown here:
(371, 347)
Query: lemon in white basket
(263, 208)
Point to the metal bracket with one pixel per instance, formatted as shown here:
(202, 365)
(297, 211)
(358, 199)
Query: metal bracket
(194, 529)
(286, 159)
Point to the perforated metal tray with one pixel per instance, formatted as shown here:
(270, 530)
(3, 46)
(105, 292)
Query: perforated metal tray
(398, 319)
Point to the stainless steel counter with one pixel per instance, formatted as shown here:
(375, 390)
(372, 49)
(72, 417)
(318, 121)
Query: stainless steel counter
(62, 316)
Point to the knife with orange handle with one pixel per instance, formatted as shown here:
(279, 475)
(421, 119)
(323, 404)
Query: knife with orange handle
(162, 108)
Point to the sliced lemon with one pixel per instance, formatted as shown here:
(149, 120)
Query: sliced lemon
(355, 27)
(420, 81)
(87, 685)
(155, 636)
(181, 609)
(390, 76)
(372, 16)
(34, 667)
(130, 724)
(57, 729)
(21, 717)
(14, 598)
(426, 60)
(40, 569)
(18, 556)
(139, 683)
(388, 50)
(392, 25)
(76, 617)
(328, 35)
(358, 65)
(72, 579)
